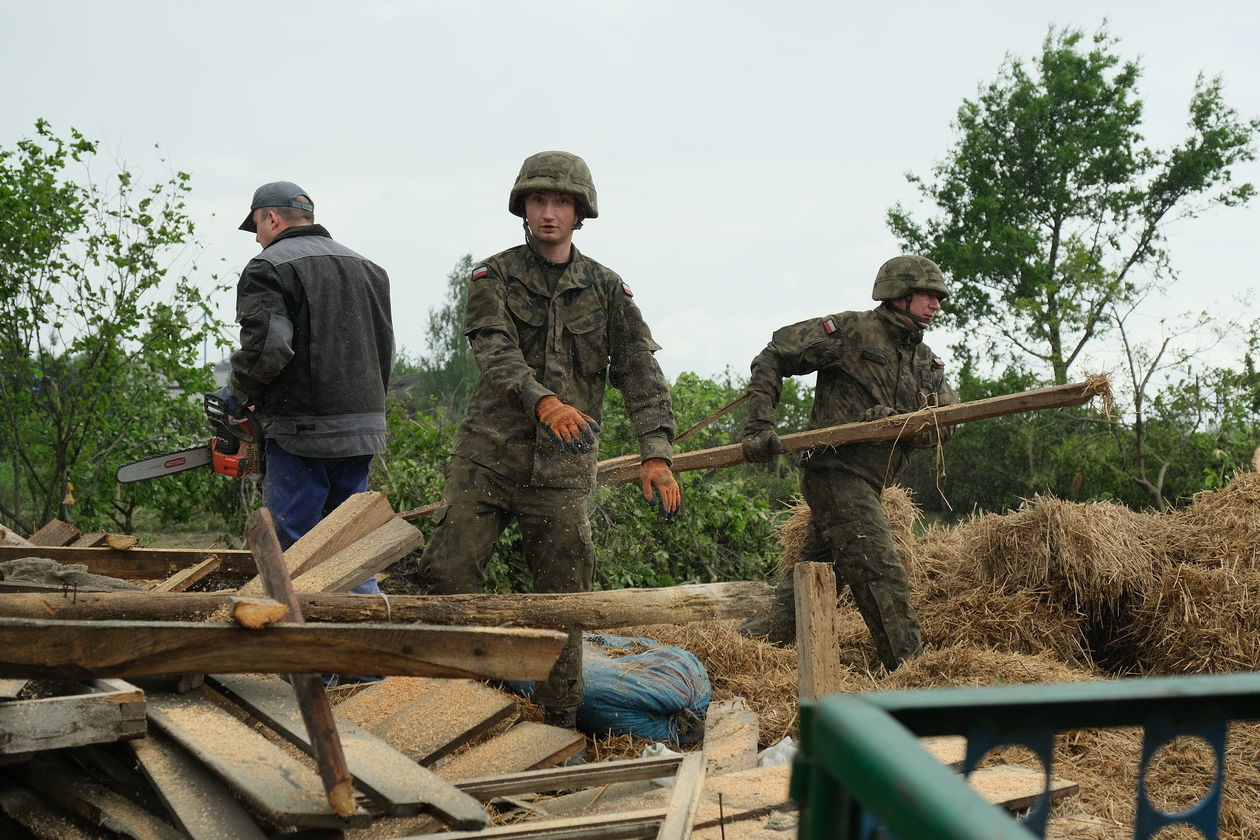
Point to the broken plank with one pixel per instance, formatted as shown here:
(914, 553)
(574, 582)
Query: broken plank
(731, 734)
(89, 539)
(55, 532)
(359, 561)
(401, 786)
(59, 781)
(262, 774)
(12, 539)
(439, 721)
(185, 578)
(83, 649)
(256, 613)
(355, 518)
(526, 746)
(587, 610)
(52, 723)
(200, 803)
(818, 654)
(1016, 788)
(134, 563)
(635, 825)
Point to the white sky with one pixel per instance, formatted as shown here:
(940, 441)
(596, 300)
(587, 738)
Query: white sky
(745, 153)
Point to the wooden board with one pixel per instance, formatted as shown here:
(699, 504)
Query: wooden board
(185, 578)
(200, 803)
(89, 539)
(79, 650)
(817, 651)
(636, 825)
(549, 779)
(1016, 788)
(135, 563)
(950, 750)
(107, 712)
(436, 723)
(59, 781)
(731, 734)
(401, 786)
(683, 805)
(372, 703)
(262, 774)
(526, 746)
(11, 688)
(55, 532)
(359, 561)
(44, 822)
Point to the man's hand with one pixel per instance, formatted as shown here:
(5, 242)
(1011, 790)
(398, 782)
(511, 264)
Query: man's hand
(877, 412)
(659, 485)
(760, 447)
(572, 429)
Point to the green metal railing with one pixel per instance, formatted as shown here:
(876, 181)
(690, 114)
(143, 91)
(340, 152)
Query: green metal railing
(861, 772)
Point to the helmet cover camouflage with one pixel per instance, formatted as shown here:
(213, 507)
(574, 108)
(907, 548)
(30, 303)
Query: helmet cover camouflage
(907, 274)
(555, 172)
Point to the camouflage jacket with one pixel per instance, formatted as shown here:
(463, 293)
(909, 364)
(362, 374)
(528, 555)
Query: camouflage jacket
(530, 342)
(863, 359)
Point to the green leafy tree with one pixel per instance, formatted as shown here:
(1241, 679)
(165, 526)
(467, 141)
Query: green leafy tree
(445, 375)
(1050, 209)
(99, 333)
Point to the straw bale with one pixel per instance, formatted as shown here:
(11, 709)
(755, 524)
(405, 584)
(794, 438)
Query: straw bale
(1200, 619)
(1018, 621)
(1220, 527)
(899, 508)
(1097, 557)
(978, 666)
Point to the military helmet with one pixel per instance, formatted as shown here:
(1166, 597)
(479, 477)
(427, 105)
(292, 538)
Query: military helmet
(556, 172)
(907, 274)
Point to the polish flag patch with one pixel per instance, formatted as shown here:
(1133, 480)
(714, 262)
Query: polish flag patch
(938, 361)
(626, 289)
(479, 272)
(829, 326)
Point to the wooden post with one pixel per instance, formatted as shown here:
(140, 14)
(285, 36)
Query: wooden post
(817, 653)
(260, 533)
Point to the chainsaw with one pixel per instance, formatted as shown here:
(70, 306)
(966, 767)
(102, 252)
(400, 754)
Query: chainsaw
(235, 450)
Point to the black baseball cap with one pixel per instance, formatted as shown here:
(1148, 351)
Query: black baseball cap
(276, 194)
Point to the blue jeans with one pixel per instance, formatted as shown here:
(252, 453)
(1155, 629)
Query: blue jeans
(301, 491)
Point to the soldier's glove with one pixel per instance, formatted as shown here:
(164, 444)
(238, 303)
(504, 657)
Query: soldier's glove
(876, 412)
(761, 446)
(660, 487)
(573, 430)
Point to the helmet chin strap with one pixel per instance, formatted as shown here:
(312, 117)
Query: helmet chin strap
(919, 321)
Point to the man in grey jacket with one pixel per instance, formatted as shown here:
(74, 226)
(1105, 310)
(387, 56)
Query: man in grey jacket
(317, 349)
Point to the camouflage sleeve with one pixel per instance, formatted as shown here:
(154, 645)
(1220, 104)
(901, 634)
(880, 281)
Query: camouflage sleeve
(786, 355)
(495, 345)
(635, 373)
(262, 309)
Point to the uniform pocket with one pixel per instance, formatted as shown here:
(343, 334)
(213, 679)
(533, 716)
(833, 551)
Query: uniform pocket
(590, 336)
(526, 307)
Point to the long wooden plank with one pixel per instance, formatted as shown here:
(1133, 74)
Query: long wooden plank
(526, 746)
(549, 779)
(134, 563)
(634, 825)
(683, 805)
(201, 804)
(355, 518)
(397, 783)
(84, 649)
(59, 781)
(818, 654)
(439, 721)
(586, 610)
(52, 723)
(44, 822)
(1016, 788)
(359, 561)
(55, 532)
(316, 711)
(185, 578)
(274, 783)
(625, 468)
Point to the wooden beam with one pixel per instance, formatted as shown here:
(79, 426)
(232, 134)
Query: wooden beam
(683, 805)
(106, 713)
(817, 651)
(550, 779)
(83, 649)
(184, 578)
(256, 613)
(625, 468)
(134, 563)
(578, 610)
(359, 561)
(355, 518)
(399, 785)
(55, 532)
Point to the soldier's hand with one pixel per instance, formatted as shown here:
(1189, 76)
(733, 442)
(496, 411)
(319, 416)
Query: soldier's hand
(574, 430)
(761, 446)
(660, 486)
(876, 412)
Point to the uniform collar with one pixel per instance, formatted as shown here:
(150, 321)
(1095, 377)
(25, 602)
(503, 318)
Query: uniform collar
(898, 330)
(576, 276)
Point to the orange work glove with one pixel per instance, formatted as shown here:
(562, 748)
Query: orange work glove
(572, 429)
(659, 486)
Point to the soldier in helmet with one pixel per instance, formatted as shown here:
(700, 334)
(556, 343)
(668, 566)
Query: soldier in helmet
(870, 365)
(549, 328)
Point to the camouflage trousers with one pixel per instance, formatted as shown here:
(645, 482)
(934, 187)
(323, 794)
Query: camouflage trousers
(848, 529)
(478, 504)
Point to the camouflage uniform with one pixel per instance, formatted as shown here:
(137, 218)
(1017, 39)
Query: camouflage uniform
(863, 359)
(531, 342)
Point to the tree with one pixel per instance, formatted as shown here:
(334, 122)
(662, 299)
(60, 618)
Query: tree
(1051, 211)
(445, 376)
(98, 334)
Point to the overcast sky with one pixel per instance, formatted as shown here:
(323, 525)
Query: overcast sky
(745, 153)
